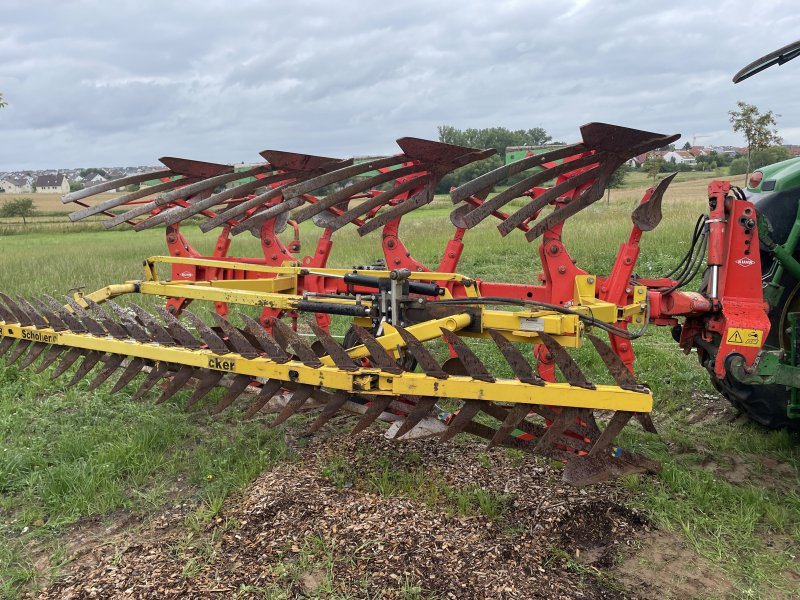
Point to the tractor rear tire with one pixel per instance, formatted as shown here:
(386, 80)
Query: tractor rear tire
(764, 404)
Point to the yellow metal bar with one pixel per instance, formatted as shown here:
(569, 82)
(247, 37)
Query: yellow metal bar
(286, 284)
(257, 367)
(391, 340)
(587, 303)
(108, 292)
(291, 270)
(372, 381)
(284, 279)
(211, 292)
(604, 397)
(523, 326)
(640, 297)
(519, 326)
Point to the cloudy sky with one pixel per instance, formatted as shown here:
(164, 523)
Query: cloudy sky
(124, 82)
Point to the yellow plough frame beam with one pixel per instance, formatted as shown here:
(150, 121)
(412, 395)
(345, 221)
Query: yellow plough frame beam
(362, 380)
(278, 290)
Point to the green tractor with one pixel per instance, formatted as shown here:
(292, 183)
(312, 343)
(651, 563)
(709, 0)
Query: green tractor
(774, 178)
(771, 395)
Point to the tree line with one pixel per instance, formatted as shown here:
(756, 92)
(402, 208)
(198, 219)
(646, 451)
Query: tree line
(498, 138)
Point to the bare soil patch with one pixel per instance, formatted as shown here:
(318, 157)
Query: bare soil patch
(752, 469)
(662, 565)
(710, 408)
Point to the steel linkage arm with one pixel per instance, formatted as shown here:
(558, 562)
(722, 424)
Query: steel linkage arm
(737, 322)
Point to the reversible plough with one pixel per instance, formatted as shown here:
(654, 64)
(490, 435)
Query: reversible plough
(402, 314)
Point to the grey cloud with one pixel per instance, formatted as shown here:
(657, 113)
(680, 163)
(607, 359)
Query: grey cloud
(125, 82)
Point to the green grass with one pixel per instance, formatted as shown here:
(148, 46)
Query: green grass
(750, 528)
(68, 454)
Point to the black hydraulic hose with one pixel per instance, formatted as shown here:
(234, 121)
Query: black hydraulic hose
(697, 262)
(331, 308)
(415, 287)
(698, 229)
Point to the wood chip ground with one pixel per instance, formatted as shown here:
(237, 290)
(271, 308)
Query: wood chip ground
(296, 530)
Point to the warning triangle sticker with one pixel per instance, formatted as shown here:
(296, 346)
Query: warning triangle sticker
(735, 338)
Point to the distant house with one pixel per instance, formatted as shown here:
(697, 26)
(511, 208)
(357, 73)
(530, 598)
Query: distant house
(792, 149)
(699, 151)
(680, 157)
(729, 150)
(14, 184)
(94, 180)
(638, 161)
(52, 184)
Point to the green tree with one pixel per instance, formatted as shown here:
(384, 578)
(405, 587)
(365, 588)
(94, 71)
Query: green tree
(652, 166)
(671, 166)
(616, 180)
(498, 138)
(724, 159)
(705, 161)
(767, 156)
(74, 186)
(687, 146)
(738, 166)
(760, 158)
(20, 207)
(756, 128)
(2, 102)
(468, 172)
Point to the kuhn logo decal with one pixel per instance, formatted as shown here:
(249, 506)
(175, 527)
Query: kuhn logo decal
(746, 262)
(186, 275)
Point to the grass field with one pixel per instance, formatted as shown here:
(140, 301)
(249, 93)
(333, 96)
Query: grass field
(51, 203)
(68, 455)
